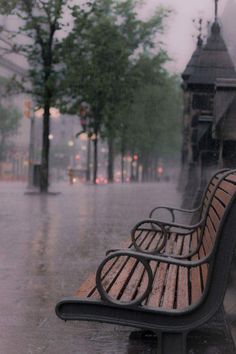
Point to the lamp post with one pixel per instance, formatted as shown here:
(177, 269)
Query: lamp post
(29, 113)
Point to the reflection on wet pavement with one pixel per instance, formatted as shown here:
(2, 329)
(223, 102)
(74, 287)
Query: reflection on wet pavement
(49, 244)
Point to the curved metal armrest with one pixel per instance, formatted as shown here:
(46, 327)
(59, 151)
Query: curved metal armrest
(172, 211)
(166, 224)
(164, 229)
(157, 258)
(143, 259)
(158, 225)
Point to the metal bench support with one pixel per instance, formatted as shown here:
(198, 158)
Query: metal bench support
(172, 343)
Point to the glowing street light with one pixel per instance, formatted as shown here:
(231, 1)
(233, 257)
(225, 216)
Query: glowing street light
(71, 143)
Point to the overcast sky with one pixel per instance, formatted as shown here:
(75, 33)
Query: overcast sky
(179, 40)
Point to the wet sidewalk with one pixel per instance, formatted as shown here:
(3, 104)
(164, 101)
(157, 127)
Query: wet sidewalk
(49, 244)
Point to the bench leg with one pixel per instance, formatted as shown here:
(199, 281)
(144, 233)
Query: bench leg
(169, 343)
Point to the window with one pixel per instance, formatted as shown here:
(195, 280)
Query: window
(203, 102)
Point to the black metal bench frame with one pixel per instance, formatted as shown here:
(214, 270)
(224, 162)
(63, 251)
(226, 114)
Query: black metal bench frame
(172, 326)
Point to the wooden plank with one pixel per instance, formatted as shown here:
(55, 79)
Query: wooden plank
(171, 280)
(195, 279)
(138, 281)
(207, 243)
(143, 235)
(223, 196)
(228, 187)
(131, 290)
(155, 296)
(214, 218)
(182, 288)
(203, 251)
(231, 178)
(87, 286)
(116, 287)
(130, 270)
(219, 208)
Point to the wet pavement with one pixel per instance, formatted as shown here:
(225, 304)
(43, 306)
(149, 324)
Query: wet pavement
(49, 244)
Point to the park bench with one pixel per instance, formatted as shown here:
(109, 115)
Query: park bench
(163, 294)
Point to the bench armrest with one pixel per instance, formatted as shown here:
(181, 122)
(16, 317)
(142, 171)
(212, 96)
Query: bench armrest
(145, 260)
(173, 210)
(167, 225)
(164, 228)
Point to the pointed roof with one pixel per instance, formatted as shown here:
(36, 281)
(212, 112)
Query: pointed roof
(214, 61)
(189, 70)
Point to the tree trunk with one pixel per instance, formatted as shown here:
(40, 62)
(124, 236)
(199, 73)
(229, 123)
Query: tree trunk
(122, 157)
(122, 166)
(88, 160)
(110, 167)
(95, 161)
(44, 173)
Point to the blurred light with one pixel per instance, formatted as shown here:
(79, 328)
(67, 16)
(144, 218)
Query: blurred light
(54, 113)
(97, 180)
(135, 157)
(74, 180)
(39, 113)
(160, 170)
(93, 137)
(83, 147)
(50, 136)
(83, 137)
(71, 143)
(77, 157)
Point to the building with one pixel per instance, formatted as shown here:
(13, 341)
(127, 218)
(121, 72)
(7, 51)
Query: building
(209, 86)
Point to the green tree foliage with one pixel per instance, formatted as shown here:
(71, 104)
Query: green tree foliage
(105, 43)
(151, 123)
(41, 22)
(9, 123)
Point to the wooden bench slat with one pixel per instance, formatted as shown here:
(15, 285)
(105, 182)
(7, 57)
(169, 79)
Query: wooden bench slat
(195, 278)
(183, 288)
(228, 187)
(218, 207)
(155, 295)
(223, 196)
(171, 280)
(214, 218)
(87, 286)
(231, 178)
(115, 290)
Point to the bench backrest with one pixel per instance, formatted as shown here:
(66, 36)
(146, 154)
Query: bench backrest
(212, 231)
(209, 190)
(221, 259)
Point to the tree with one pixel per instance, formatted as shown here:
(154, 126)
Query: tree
(152, 122)
(9, 123)
(107, 39)
(41, 23)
